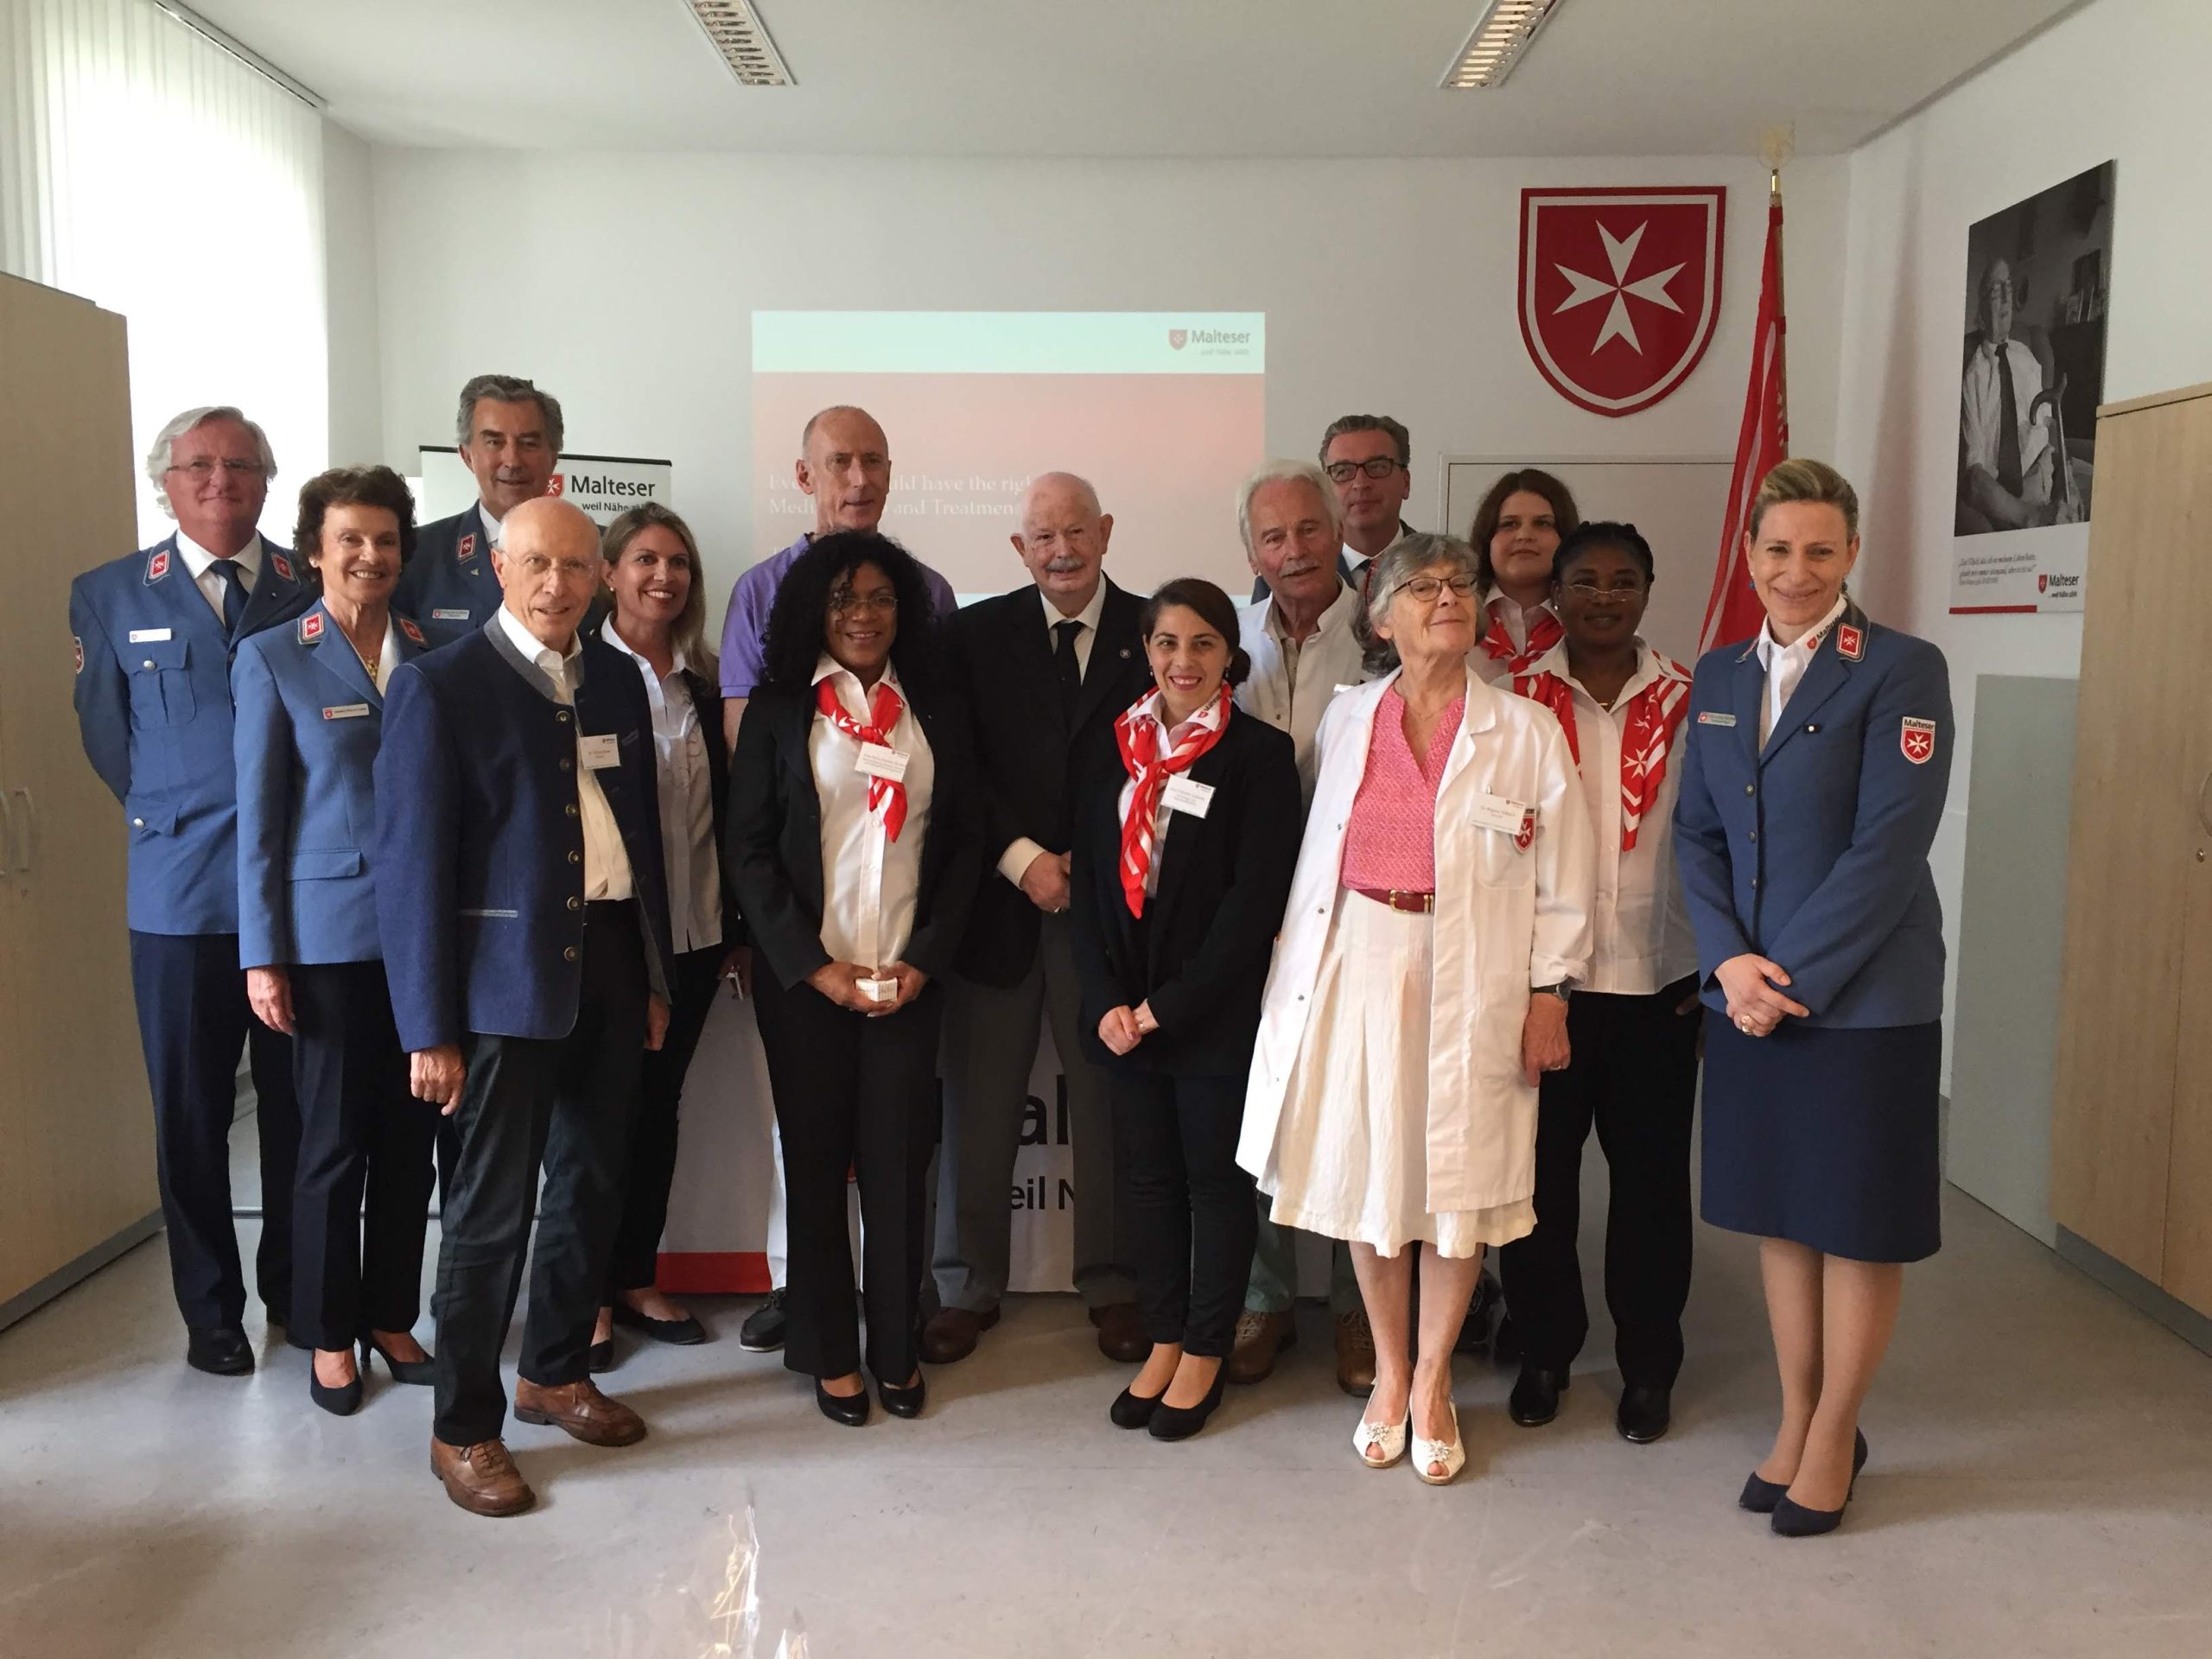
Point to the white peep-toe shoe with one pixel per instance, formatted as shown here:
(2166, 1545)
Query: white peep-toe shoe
(1390, 1437)
(1454, 1456)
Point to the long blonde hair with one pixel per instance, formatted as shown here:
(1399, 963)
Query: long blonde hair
(689, 634)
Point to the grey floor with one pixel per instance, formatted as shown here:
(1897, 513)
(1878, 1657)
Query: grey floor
(2042, 1463)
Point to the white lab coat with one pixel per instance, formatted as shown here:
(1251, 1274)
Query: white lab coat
(1506, 919)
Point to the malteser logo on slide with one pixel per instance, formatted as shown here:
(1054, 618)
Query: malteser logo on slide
(1177, 338)
(557, 485)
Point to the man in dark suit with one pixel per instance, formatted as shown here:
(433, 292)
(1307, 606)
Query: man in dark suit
(1043, 668)
(511, 437)
(155, 631)
(528, 954)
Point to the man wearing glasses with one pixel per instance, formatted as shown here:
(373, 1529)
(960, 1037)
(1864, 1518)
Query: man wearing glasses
(1368, 459)
(154, 634)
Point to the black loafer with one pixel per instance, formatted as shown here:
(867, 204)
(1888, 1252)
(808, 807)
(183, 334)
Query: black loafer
(763, 1330)
(685, 1332)
(902, 1402)
(851, 1410)
(221, 1351)
(1133, 1411)
(600, 1355)
(1644, 1413)
(1535, 1399)
(1181, 1422)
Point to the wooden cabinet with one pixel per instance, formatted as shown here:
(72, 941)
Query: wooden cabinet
(76, 1125)
(2132, 1127)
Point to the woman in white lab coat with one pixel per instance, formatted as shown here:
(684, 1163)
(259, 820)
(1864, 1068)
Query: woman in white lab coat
(1441, 910)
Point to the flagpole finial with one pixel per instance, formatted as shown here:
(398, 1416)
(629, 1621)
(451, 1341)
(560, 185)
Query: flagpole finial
(1777, 145)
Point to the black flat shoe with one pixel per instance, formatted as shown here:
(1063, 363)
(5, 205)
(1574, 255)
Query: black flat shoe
(221, 1351)
(684, 1333)
(1181, 1422)
(1133, 1411)
(600, 1355)
(763, 1330)
(851, 1409)
(1762, 1497)
(1535, 1399)
(902, 1403)
(343, 1400)
(423, 1371)
(1644, 1414)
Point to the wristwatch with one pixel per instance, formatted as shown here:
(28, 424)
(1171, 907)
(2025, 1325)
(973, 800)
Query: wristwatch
(1561, 990)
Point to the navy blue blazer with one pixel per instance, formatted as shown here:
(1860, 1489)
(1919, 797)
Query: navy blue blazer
(153, 696)
(448, 587)
(309, 719)
(480, 908)
(1812, 852)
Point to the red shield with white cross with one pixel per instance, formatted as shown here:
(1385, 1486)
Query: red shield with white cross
(1620, 290)
(1917, 739)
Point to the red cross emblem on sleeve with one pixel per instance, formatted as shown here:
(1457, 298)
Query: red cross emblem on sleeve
(1917, 741)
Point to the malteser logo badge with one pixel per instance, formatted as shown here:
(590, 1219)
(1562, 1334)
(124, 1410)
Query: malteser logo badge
(1177, 338)
(1917, 739)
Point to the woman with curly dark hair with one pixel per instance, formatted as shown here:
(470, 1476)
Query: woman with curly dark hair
(854, 856)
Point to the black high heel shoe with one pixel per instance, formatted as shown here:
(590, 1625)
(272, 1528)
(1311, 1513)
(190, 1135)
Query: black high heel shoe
(424, 1371)
(851, 1409)
(341, 1401)
(1766, 1497)
(902, 1402)
(1133, 1411)
(1181, 1422)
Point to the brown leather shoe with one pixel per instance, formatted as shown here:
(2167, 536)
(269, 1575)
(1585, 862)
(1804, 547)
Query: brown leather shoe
(1260, 1338)
(482, 1479)
(580, 1410)
(950, 1333)
(1355, 1353)
(1121, 1332)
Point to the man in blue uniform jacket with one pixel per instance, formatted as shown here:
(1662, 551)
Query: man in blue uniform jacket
(511, 437)
(155, 631)
(524, 917)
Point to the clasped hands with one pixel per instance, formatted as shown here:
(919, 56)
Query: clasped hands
(1755, 1004)
(841, 983)
(1124, 1027)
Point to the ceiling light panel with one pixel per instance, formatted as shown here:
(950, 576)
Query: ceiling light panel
(1500, 38)
(742, 39)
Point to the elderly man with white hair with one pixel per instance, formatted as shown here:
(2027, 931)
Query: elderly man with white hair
(155, 631)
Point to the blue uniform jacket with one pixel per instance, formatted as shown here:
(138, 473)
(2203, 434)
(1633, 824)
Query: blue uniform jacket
(480, 900)
(309, 719)
(153, 696)
(448, 587)
(1813, 851)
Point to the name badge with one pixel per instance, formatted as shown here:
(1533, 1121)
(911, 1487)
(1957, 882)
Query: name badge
(346, 711)
(881, 760)
(150, 636)
(1495, 812)
(1181, 795)
(448, 616)
(600, 752)
(1713, 717)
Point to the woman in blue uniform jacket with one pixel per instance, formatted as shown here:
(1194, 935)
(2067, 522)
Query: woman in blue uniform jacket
(1814, 776)
(310, 713)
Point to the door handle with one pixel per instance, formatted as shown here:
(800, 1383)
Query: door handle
(27, 849)
(7, 834)
(2204, 810)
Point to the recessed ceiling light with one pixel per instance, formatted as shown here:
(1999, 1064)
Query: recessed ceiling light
(739, 35)
(1500, 38)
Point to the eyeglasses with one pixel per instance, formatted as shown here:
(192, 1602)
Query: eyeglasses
(1429, 589)
(846, 602)
(1374, 467)
(203, 469)
(1583, 589)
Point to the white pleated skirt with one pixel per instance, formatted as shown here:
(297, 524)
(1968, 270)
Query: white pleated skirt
(1352, 1151)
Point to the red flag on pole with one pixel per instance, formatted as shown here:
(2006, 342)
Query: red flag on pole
(1733, 612)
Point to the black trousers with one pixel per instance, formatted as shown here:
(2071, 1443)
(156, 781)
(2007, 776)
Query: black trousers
(192, 1018)
(359, 1128)
(851, 1093)
(564, 1104)
(653, 1139)
(1634, 1075)
(1196, 1218)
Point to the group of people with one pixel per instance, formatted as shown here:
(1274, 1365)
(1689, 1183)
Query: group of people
(1353, 908)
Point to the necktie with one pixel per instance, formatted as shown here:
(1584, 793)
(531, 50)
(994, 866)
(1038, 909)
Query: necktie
(2008, 428)
(1068, 671)
(233, 594)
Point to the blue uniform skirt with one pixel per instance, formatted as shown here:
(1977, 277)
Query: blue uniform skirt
(1825, 1136)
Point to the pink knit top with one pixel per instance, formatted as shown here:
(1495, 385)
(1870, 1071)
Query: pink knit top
(1390, 841)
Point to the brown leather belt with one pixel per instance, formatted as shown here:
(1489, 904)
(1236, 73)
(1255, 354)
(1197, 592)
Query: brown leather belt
(1419, 904)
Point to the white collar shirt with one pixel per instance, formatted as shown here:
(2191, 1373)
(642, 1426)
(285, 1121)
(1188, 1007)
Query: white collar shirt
(491, 524)
(1981, 406)
(1785, 665)
(870, 883)
(387, 656)
(1206, 719)
(1293, 680)
(199, 565)
(1088, 616)
(606, 862)
(687, 802)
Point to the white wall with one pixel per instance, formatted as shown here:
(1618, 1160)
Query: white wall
(623, 284)
(2121, 78)
(350, 296)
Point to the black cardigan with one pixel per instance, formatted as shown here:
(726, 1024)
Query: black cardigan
(1199, 953)
(774, 832)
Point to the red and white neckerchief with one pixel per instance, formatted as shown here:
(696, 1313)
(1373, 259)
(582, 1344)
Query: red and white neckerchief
(1655, 715)
(1497, 644)
(1136, 730)
(886, 795)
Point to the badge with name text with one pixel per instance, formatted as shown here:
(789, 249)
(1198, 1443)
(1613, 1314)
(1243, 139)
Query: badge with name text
(150, 636)
(1507, 817)
(448, 616)
(881, 760)
(347, 711)
(1715, 717)
(1181, 795)
(1917, 739)
(600, 751)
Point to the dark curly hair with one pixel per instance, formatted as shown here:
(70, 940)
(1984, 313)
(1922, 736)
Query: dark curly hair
(1537, 481)
(1213, 607)
(352, 487)
(799, 618)
(1602, 533)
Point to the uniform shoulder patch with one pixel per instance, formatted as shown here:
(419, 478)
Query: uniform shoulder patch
(1917, 739)
(158, 566)
(464, 549)
(407, 626)
(1850, 642)
(76, 644)
(284, 566)
(311, 627)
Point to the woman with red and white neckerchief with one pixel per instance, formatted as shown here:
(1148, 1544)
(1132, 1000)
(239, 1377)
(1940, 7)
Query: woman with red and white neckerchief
(1517, 533)
(1633, 1023)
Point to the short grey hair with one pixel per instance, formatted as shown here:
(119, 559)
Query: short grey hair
(1281, 471)
(1393, 567)
(508, 389)
(159, 452)
(1401, 440)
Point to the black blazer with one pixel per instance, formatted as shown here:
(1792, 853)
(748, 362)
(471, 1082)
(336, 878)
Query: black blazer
(773, 832)
(1027, 748)
(1199, 953)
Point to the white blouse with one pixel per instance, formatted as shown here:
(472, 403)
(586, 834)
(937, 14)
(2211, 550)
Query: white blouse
(869, 882)
(687, 803)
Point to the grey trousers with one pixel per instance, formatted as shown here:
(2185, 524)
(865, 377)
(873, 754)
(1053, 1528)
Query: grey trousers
(987, 1050)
